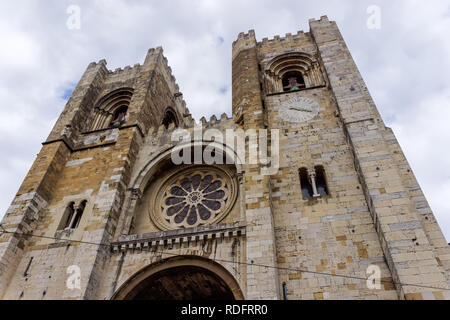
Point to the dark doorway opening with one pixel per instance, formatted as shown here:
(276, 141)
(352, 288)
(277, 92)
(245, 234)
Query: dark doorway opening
(182, 283)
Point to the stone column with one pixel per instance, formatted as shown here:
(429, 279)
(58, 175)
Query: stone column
(312, 176)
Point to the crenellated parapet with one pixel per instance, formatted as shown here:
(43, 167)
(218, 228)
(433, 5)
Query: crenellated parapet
(127, 69)
(160, 133)
(289, 38)
(244, 41)
(323, 19)
(213, 121)
(156, 56)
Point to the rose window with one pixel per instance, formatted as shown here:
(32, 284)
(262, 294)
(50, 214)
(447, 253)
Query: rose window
(195, 197)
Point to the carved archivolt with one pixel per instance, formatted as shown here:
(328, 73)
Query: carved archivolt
(106, 107)
(300, 62)
(192, 197)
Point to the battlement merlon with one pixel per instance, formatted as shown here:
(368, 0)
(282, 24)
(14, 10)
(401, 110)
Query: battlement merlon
(248, 40)
(244, 41)
(323, 19)
(332, 47)
(97, 77)
(155, 57)
(289, 37)
(95, 73)
(329, 30)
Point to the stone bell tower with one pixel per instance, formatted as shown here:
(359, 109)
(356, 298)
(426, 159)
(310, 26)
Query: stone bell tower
(77, 185)
(105, 213)
(345, 198)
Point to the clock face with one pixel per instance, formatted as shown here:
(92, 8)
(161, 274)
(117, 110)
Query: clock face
(298, 109)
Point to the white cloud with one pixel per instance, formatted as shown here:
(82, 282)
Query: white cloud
(405, 65)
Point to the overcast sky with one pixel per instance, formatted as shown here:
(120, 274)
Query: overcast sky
(405, 63)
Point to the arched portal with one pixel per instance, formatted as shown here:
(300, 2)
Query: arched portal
(181, 278)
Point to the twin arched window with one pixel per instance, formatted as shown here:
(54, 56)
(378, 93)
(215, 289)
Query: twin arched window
(111, 111)
(72, 216)
(313, 184)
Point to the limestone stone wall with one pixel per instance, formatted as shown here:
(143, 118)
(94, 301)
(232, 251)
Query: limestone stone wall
(333, 234)
(411, 255)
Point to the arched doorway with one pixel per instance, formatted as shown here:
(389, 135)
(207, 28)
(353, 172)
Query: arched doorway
(182, 283)
(181, 278)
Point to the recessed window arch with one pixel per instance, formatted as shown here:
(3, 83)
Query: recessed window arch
(111, 110)
(170, 117)
(292, 71)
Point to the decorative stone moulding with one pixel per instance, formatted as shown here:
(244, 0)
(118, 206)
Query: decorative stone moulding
(185, 237)
(200, 195)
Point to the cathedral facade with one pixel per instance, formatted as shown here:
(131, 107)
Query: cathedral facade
(106, 213)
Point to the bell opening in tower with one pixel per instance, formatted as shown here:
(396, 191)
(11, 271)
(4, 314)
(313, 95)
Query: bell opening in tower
(293, 81)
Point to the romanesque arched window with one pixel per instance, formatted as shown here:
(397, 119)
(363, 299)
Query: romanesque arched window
(321, 182)
(79, 214)
(72, 216)
(293, 71)
(313, 183)
(67, 217)
(170, 117)
(111, 110)
(305, 184)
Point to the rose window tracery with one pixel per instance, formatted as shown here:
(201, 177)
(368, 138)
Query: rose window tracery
(194, 197)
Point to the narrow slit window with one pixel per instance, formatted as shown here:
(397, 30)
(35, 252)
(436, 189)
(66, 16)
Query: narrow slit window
(285, 291)
(25, 274)
(307, 190)
(321, 181)
(67, 217)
